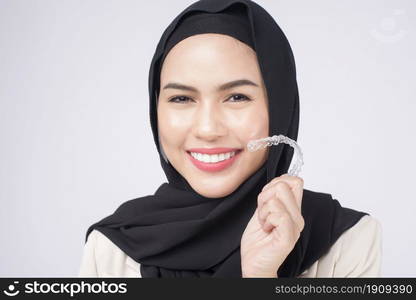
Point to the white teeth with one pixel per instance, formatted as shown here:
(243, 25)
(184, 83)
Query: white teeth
(207, 158)
(214, 158)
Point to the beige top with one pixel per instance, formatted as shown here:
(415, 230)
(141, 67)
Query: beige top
(356, 253)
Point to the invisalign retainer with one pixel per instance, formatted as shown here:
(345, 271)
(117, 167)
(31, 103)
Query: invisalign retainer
(255, 145)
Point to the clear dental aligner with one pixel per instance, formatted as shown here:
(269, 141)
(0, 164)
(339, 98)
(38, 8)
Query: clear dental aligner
(255, 145)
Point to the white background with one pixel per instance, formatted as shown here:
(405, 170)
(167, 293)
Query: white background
(75, 133)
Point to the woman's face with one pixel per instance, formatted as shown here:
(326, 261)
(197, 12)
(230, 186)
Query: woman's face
(212, 99)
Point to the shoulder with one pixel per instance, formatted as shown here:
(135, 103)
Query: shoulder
(365, 232)
(361, 249)
(102, 258)
(356, 253)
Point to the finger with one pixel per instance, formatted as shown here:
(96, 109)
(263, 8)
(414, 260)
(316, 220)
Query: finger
(285, 194)
(272, 204)
(290, 179)
(276, 179)
(287, 233)
(296, 183)
(276, 218)
(264, 197)
(281, 192)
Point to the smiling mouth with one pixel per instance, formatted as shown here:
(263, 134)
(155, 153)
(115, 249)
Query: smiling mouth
(213, 162)
(213, 158)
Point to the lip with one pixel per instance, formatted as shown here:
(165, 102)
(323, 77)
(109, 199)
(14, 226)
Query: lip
(214, 167)
(213, 150)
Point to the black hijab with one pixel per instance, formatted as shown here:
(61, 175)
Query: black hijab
(178, 233)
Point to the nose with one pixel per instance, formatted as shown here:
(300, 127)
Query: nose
(209, 123)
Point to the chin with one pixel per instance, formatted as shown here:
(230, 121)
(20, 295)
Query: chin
(213, 192)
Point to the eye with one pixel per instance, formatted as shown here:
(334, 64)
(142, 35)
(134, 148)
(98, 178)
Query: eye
(179, 99)
(239, 98)
(185, 99)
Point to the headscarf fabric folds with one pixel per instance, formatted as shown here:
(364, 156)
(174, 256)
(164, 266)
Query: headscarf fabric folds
(178, 233)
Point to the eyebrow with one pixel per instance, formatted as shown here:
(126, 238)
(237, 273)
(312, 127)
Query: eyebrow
(223, 87)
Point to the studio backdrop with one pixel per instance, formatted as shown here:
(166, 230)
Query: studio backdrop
(75, 132)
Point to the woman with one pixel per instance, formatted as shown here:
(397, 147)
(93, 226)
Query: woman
(223, 74)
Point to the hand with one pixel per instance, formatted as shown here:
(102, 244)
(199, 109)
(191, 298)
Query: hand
(274, 228)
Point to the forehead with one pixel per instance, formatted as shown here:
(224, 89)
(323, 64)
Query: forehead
(210, 54)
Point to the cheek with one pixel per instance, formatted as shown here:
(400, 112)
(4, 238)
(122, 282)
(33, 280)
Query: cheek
(252, 124)
(173, 127)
